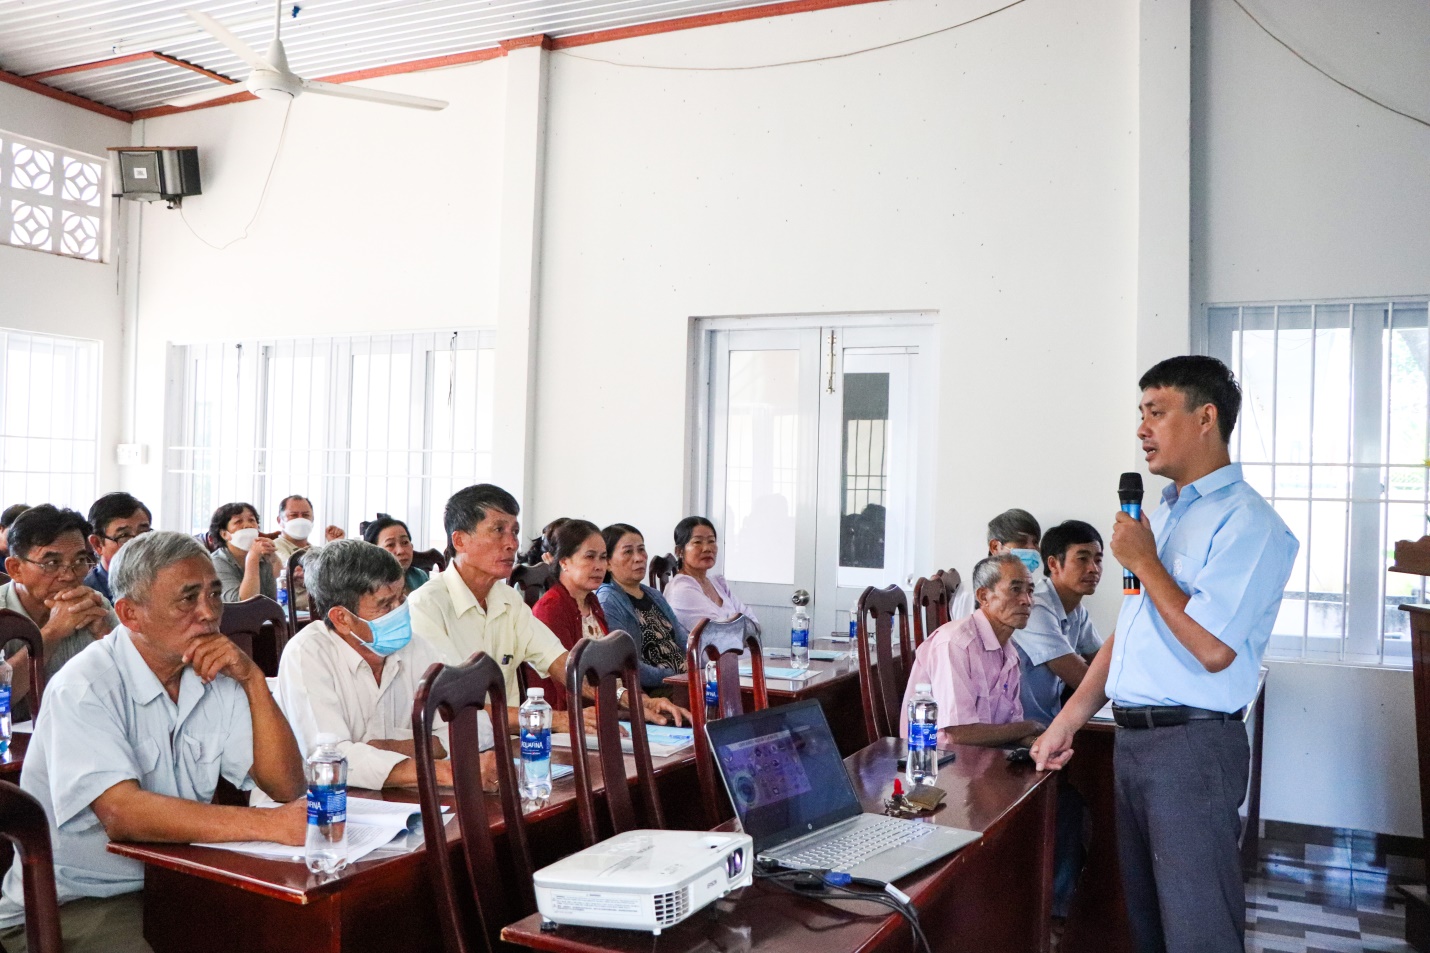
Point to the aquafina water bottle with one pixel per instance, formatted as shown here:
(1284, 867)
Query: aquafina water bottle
(327, 842)
(535, 721)
(6, 674)
(712, 690)
(923, 736)
(799, 631)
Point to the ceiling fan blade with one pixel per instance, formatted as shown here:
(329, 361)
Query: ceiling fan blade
(207, 95)
(221, 33)
(372, 95)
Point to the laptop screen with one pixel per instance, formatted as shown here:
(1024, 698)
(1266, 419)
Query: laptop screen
(783, 772)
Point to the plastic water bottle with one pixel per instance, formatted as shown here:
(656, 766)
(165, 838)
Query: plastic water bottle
(923, 736)
(283, 589)
(854, 621)
(799, 631)
(327, 843)
(712, 690)
(6, 674)
(535, 721)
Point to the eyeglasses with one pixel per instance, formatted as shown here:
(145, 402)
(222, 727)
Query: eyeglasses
(123, 538)
(51, 567)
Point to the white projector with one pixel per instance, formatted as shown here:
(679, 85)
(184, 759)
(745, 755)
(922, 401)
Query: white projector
(644, 880)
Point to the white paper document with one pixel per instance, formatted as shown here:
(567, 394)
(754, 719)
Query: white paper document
(783, 674)
(371, 824)
(663, 740)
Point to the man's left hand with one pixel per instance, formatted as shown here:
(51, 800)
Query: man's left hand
(1133, 544)
(334, 533)
(662, 711)
(213, 655)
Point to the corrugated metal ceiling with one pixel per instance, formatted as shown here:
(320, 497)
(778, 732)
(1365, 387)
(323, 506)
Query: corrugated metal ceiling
(327, 37)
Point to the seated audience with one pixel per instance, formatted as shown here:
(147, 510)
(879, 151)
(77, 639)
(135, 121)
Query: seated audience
(570, 608)
(972, 665)
(295, 522)
(1012, 531)
(246, 562)
(1059, 641)
(353, 672)
(636, 608)
(49, 557)
(114, 520)
(694, 592)
(392, 535)
(470, 608)
(135, 734)
(7, 519)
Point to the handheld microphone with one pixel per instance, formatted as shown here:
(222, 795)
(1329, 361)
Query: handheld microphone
(1129, 491)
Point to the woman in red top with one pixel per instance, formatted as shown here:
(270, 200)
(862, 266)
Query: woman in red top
(570, 608)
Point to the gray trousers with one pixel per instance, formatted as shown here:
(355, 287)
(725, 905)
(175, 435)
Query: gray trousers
(94, 925)
(1178, 790)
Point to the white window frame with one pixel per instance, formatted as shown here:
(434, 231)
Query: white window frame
(78, 188)
(1363, 639)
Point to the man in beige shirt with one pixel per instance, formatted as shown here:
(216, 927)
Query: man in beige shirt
(470, 608)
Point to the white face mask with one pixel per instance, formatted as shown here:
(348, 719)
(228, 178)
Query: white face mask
(243, 538)
(298, 528)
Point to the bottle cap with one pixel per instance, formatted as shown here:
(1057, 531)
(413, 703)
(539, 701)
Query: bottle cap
(327, 738)
(924, 687)
(535, 693)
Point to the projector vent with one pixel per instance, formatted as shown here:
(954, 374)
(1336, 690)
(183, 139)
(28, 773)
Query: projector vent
(672, 907)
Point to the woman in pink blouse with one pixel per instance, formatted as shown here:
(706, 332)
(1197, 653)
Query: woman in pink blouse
(695, 592)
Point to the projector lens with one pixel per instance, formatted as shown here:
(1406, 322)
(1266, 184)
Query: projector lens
(735, 863)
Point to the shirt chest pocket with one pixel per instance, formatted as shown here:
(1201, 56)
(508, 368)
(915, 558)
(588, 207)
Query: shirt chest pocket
(1184, 566)
(201, 758)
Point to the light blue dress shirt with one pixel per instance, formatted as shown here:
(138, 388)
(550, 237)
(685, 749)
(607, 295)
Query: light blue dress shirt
(1230, 551)
(107, 719)
(1051, 632)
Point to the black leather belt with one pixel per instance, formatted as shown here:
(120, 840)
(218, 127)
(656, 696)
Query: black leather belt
(1169, 715)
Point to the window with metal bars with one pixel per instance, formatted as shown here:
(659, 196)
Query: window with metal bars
(53, 199)
(1333, 431)
(391, 423)
(49, 419)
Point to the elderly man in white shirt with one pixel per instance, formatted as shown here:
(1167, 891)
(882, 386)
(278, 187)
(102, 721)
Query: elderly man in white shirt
(354, 671)
(132, 739)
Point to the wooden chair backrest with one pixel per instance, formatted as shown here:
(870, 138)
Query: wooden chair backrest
(725, 644)
(23, 822)
(290, 579)
(500, 887)
(533, 581)
(428, 560)
(883, 676)
(661, 569)
(933, 595)
(259, 626)
(16, 626)
(600, 664)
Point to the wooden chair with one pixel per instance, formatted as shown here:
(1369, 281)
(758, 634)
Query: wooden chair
(661, 569)
(290, 572)
(500, 885)
(23, 822)
(16, 626)
(600, 664)
(429, 559)
(259, 626)
(882, 679)
(207, 540)
(533, 581)
(933, 595)
(722, 643)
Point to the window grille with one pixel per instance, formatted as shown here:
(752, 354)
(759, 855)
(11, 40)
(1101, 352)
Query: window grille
(49, 419)
(391, 423)
(53, 199)
(1333, 431)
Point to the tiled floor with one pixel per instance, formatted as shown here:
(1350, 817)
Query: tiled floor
(1336, 893)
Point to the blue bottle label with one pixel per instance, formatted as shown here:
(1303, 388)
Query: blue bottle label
(799, 637)
(922, 736)
(327, 804)
(4, 699)
(712, 693)
(853, 628)
(535, 745)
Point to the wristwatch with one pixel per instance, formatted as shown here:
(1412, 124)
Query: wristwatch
(620, 693)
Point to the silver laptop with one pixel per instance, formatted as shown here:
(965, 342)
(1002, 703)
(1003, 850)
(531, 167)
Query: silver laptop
(788, 783)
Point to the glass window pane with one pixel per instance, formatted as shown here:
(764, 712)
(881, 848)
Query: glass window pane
(1258, 384)
(761, 469)
(864, 471)
(1331, 395)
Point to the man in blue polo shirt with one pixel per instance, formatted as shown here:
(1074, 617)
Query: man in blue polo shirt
(1183, 663)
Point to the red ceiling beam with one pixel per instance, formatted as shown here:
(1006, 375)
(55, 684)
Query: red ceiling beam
(24, 82)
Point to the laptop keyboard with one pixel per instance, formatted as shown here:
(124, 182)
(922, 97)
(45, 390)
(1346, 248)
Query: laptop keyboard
(854, 847)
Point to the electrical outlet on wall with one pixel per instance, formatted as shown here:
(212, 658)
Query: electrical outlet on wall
(132, 454)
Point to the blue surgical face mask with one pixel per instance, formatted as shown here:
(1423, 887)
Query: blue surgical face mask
(390, 632)
(1031, 559)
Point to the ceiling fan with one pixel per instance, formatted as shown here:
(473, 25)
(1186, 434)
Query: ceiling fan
(272, 79)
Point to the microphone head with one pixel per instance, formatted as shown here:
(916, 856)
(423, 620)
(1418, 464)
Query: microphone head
(1130, 483)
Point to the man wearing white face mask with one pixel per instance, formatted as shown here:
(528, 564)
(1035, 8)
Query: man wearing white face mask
(245, 560)
(1012, 531)
(353, 672)
(295, 519)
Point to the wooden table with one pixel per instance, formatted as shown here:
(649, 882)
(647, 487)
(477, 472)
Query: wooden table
(1097, 919)
(835, 684)
(993, 896)
(222, 901)
(14, 759)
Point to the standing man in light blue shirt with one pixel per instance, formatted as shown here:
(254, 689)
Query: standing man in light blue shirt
(1183, 663)
(133, 737)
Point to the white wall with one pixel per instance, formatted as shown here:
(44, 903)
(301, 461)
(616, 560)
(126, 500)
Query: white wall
(42, 292)
(1302, 190)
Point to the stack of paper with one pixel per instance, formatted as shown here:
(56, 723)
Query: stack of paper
(663, 740)
(820, 655)
(784, 674)
(371, 824)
